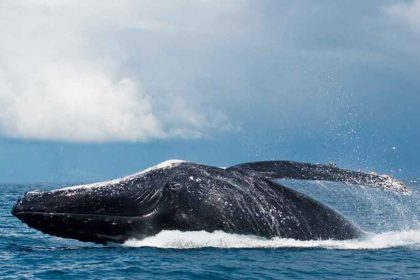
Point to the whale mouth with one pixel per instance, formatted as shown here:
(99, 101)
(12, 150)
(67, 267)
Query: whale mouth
(21, 214)
(82, 218)
(83, 227)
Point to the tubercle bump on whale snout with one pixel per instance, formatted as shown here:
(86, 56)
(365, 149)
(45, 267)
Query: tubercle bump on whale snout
(23, 203)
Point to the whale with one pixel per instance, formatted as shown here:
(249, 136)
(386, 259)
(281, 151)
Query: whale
(248, 199)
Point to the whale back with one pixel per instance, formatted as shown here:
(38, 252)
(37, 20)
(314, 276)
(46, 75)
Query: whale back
(215, 199)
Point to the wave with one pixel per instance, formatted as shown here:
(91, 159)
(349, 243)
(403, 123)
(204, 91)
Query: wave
(201, 239)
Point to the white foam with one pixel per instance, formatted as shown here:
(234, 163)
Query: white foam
(201, 239)
(163, 165)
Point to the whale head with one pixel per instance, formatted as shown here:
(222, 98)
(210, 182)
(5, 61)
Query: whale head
(112, 211)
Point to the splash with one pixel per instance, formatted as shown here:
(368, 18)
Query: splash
(219, 239)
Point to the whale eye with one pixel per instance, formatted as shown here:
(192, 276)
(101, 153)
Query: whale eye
(174, 186)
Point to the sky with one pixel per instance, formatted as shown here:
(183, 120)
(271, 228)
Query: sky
(93, 90)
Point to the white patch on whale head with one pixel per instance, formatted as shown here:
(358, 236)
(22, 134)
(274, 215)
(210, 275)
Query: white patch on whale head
(163, 165)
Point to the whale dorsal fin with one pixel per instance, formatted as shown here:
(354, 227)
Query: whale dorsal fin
(309, 171)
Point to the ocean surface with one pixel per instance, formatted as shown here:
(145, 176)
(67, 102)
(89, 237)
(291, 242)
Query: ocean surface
(389, 250)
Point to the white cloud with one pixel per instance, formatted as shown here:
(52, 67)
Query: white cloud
(407, 13)
(65, 71)
(72, 103)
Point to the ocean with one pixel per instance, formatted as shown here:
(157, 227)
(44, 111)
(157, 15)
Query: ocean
(390, 248)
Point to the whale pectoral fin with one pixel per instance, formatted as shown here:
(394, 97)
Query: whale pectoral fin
(308, 171)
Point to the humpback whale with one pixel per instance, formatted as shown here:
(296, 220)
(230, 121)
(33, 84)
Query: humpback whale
(186, 196)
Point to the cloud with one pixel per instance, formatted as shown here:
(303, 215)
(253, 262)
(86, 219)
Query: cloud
(77, 104)
(140, 70)
(406, 12)
(98, 70)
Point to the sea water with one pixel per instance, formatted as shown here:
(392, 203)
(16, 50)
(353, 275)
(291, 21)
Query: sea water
(390, 248)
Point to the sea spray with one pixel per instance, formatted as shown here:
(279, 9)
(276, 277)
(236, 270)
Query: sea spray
(373, 210)
(218, 239)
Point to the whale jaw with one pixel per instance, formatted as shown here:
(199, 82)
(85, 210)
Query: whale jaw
(83, 227)
(38, 211)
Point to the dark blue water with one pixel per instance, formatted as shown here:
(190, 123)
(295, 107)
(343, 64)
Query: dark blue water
(390, 250)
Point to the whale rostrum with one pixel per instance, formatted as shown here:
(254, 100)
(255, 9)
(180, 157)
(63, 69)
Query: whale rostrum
(186, 196)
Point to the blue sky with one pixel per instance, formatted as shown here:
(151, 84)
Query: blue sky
(98, 89)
